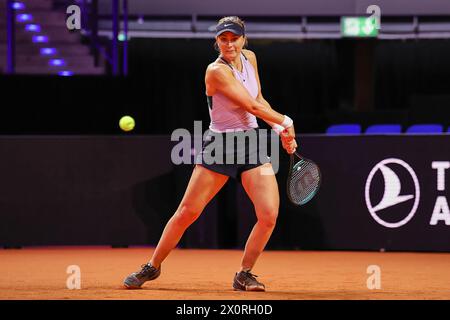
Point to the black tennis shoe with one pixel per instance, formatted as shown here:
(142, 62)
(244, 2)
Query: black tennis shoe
(137, 279)
(246, 281)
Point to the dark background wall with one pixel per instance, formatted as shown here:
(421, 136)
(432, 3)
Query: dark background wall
(116, 190)
(313, 81)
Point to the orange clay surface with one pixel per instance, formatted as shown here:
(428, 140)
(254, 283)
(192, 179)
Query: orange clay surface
(40, 273)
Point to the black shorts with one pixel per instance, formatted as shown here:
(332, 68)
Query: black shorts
(232, 153)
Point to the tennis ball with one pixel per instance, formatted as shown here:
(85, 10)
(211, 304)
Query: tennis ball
(126, 123)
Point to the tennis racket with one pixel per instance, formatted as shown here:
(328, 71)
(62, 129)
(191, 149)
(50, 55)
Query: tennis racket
(303, 180)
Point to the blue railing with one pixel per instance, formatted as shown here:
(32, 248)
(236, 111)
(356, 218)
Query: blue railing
(10, 37)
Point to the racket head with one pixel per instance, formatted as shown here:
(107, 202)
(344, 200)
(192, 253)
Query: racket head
(304, 179)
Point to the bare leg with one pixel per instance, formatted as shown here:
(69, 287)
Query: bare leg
(263, 191)
(203, 186)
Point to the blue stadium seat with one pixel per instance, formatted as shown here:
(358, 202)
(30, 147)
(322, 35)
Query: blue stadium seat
(344, 129)
(426, 128)
(384, 129)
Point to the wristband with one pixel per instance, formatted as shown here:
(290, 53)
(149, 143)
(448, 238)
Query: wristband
(287, 122)
(277, 128)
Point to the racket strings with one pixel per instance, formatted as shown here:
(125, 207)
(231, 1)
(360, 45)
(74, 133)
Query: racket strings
(304, 181)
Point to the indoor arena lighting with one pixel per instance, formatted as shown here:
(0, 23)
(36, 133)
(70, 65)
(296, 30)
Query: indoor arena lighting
(121, 37)
(33, 28)
(24, 17)
(56, 62)
(40, 39)
(48, 51)
(18, 6)
(65, 73)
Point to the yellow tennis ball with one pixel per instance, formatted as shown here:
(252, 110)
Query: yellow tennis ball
(126, 123)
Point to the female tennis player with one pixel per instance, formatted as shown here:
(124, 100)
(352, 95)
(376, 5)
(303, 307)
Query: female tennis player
(235, 101)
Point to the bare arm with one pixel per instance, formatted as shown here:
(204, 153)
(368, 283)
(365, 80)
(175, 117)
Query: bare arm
(252, 58)
(288, 135)
(261, 99)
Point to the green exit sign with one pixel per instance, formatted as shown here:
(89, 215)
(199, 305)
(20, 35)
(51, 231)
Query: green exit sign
(359, 27)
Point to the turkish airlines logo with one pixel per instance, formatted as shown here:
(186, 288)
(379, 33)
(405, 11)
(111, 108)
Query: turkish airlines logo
(394, 199)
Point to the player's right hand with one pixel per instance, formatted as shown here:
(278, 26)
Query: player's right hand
(288, 140)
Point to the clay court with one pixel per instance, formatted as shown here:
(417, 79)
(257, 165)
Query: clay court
(40, 273)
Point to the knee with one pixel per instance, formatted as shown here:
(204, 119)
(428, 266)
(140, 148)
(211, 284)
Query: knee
(268, 217)
(186, 214)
